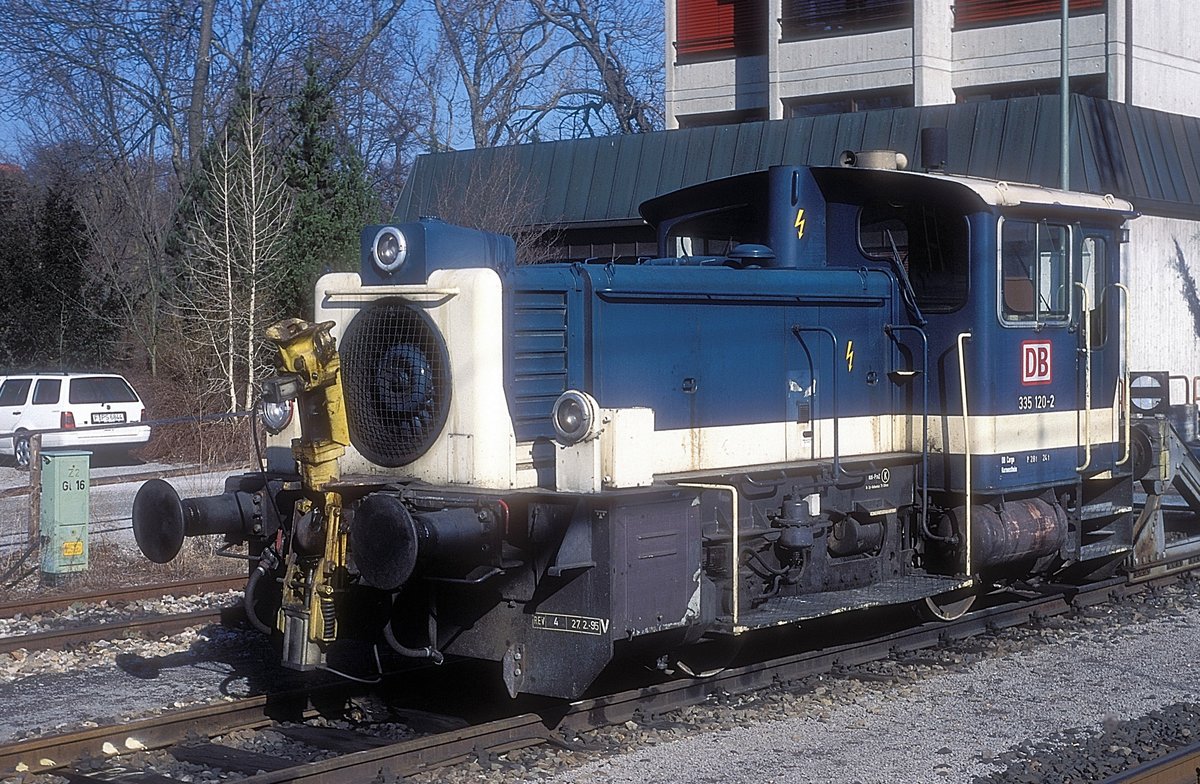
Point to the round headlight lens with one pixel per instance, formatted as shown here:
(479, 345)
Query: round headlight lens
(275, 416)
(574, 417)
(390, 249)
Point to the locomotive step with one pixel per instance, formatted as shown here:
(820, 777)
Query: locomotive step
(1105, 509)
(787, 609)
(1101, 549)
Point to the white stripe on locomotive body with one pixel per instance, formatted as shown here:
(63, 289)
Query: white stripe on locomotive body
(477, 445)
(737, 446)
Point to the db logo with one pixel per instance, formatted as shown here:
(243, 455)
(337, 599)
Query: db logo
(1035, 362)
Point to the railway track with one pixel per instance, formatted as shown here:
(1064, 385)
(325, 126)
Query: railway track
(147, 626)
(1179, 767)
(131, 594)
(357, 757)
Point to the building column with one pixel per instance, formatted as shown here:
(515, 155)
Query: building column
(933, 52)
(669, 119)
(1117, 51)
(774, 33)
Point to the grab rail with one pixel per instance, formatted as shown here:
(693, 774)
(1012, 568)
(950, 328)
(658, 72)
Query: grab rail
(796, 330)
(736, 548)
(962, 385)
(1086, 334)
(889, 329)
(1126, 402)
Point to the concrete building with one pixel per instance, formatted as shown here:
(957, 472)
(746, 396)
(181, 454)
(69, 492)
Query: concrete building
(737, 60)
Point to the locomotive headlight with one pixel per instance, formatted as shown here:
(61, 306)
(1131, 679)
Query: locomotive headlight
(275, 415)
(389, 249)
(575, 416)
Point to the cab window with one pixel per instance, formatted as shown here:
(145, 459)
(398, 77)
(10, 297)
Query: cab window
(1094, 255)
(1035, 283)
(931, 244)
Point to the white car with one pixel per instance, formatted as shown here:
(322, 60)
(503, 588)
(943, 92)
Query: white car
(71, 410)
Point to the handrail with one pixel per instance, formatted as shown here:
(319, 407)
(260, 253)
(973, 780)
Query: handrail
(1126, 403)
(962, 385)
(736, 548)
(796, 330)
(1086, 334)
(889, 329)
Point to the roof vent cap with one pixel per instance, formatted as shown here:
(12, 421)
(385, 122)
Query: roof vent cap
(874, 159)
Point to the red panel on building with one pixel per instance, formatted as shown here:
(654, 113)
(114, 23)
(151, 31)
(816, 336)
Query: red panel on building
(980, 13)
(719, 26)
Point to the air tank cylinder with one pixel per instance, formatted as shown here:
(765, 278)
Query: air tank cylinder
(1012, 532)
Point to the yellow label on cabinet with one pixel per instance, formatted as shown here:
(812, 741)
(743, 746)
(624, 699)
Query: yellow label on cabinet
(72, 549)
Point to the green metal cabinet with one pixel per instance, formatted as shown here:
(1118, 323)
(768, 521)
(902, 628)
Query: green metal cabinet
(66, 489)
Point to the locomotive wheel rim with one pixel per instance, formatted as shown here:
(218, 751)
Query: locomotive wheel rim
(952, 605)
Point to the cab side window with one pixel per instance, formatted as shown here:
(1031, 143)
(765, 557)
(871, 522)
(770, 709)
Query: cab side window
(1094, 255)
(931, 243)
(46, 391)
(14, 392)
(1035, 282)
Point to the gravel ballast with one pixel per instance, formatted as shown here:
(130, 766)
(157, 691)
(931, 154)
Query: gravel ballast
(1071, 701)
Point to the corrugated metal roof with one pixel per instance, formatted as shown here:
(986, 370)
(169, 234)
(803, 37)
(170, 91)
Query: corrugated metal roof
(1148, 157)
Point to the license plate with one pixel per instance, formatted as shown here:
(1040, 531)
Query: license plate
(108, 417)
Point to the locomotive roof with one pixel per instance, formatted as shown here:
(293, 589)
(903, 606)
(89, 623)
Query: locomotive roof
(751, 187)
(1146, 157)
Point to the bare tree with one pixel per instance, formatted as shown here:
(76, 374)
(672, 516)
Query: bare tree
(504, 198)
(621, 44)
(237, 236)
(501, 50)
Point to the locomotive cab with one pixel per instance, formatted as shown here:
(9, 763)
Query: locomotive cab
(837, 388)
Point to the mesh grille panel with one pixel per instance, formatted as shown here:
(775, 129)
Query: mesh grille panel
(396, 377)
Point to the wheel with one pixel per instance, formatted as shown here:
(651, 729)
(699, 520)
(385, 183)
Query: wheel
(949, 606)
(21, 450)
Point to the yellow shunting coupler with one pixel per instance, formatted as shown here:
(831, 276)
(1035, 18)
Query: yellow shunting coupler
(308, 356)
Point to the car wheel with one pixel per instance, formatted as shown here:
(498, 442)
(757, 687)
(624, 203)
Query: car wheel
(21, 451)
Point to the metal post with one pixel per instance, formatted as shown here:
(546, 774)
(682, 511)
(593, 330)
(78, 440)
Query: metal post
(35, 489)
(1065, 99)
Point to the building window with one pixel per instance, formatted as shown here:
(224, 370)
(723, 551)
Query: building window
(985, 13)
(713, 29)
(1092, 85)
(825, 18)
(844, 103)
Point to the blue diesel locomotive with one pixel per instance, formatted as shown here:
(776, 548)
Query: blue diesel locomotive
(834, 388)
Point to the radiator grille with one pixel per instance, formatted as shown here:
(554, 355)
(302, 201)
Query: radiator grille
(396, 378)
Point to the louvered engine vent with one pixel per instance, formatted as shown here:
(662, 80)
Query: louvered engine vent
(396, 377)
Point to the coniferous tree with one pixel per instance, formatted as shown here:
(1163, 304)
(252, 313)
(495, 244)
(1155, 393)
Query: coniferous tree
(331, 196)
(16, 250)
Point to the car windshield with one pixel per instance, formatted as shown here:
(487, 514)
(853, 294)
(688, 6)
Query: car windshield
(102, 389)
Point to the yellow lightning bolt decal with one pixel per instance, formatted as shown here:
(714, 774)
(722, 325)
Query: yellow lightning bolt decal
(800, 223)
(849, 356)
